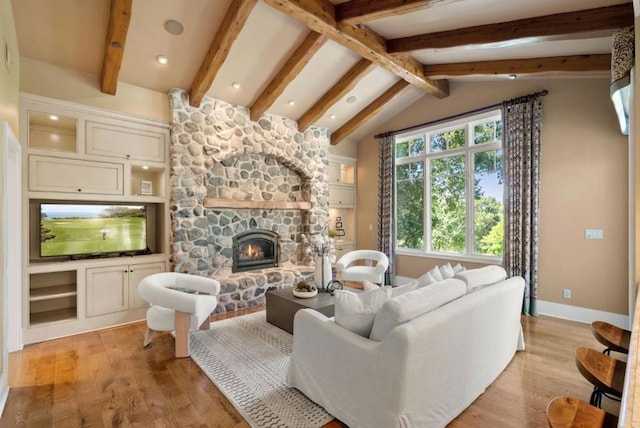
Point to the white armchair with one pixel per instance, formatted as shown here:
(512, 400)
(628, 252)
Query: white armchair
(175, 305)
(348, 270)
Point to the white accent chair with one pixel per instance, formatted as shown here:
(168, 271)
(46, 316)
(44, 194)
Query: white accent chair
(373, 271)
(175, 305)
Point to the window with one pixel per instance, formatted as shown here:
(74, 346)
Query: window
(449, 188)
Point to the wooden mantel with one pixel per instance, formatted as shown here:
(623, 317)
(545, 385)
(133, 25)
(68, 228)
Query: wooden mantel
(252, 205)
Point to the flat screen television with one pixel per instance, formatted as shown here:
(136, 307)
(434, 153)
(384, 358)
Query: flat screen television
(92, 230)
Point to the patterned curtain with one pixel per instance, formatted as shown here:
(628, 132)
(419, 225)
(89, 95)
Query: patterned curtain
(386, 201)
(522, 118)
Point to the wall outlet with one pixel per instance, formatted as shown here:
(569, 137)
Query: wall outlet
(566, 293)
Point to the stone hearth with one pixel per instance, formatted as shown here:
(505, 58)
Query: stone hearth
(228, 175)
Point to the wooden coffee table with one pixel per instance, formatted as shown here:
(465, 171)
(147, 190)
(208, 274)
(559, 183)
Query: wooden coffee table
(282, 306)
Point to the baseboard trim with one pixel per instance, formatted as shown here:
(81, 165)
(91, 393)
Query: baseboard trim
(585, 315)
(4, 391)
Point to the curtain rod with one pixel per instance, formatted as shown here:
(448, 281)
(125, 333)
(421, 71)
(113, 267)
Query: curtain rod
(542, 93)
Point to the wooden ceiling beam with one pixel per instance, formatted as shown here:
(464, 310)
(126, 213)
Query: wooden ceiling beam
(319, 15)
(119, 18)
(336, 93)
(291, 68)
(590, 20)
(232, 23)
(575, 63)
(359, 11)
(368, 112)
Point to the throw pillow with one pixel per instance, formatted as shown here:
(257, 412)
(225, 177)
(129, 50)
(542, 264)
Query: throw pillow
(356, 311)
(458, 268)
(368, 285)
(446, 271)
(426, 279)
(435, 273)
(475, 278)
(401, 289)
(413, 304)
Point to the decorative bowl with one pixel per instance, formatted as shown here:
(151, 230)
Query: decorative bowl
(305, 294)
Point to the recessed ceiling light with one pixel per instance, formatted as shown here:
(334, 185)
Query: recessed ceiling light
(352, 99)
(145, 167)
(512, 76)
(333, 116)
(162, 59)
(291, 102)
(235, 85)
(173, 27)
(53, 117)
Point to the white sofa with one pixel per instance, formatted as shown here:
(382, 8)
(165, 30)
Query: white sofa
(422, 373)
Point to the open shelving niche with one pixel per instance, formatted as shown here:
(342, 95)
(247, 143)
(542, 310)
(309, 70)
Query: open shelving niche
(342, 201)
(89, 155)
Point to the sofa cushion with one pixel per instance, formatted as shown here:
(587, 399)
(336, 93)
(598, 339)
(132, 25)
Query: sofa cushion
(408, 306)
(475, 278)
(356, 311)
(426, 279)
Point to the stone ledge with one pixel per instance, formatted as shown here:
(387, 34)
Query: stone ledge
(243, 290)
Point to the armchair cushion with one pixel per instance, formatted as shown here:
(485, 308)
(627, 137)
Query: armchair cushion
(356, 311)
(413, 304)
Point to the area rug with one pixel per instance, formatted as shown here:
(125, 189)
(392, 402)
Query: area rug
(247, 359)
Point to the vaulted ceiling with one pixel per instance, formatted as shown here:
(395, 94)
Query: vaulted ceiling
(344, 65)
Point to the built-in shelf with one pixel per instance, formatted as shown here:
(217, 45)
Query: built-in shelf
(54, 292)
(248, 204)
(56, 315)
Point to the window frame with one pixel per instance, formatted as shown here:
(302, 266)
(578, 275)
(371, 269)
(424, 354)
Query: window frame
(469, 150)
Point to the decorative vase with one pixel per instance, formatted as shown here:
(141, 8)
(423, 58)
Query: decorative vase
(322, 274)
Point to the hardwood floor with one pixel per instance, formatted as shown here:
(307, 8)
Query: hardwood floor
(105, 378)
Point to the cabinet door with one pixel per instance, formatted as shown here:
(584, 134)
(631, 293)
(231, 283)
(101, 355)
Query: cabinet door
(126, 141)
(136, 273)
(342, 196)
(333, 172)
(51, 174)
(107, 290)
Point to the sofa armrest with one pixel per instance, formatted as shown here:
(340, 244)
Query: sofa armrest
(328, 364)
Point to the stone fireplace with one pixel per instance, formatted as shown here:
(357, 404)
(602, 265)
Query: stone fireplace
(231, 176)
(255, 249)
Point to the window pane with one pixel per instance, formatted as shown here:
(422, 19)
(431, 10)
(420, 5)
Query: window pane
(487, 204)
(488, 132)
(447, 140)
(448, 204)
(410, 205)
(410, 148)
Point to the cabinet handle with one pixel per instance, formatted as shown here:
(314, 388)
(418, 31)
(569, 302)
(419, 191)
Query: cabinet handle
(128, 156)
(79, 190)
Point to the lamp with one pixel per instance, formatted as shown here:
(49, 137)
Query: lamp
(622, 55)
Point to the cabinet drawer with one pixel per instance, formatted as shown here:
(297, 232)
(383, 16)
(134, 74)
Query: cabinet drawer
(126, 142)
(52, 174)
(342, 196)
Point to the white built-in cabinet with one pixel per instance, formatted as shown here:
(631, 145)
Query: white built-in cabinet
(341, 177)
(82, 154)
(115, 288)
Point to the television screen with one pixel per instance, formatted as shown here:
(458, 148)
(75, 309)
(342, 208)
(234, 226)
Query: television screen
(91, 229)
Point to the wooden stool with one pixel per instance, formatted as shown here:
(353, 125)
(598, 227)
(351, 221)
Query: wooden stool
(565, 412)
(605, 373)
(611, 336)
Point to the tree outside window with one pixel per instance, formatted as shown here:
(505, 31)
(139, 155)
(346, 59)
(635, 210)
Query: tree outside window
(449, 191)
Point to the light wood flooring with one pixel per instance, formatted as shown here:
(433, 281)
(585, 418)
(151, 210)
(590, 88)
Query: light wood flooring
(106, 379)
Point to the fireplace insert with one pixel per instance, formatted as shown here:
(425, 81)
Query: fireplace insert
(255, 249)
